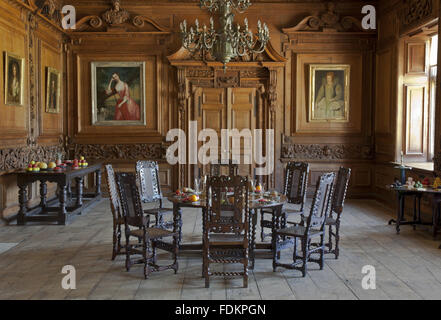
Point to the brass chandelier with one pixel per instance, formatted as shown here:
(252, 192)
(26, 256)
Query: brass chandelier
(230, 41)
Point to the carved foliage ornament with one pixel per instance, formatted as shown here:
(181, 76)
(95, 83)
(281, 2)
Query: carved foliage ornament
(327, 20)
(120, 151)
(16, 158)
(326, 152)
(415, 10)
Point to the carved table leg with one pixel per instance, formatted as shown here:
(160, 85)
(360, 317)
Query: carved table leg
(23, 199)
(43, 193)
(62, 213)
(177, 221)
(253, 238)
(435, 208)
(79, 182)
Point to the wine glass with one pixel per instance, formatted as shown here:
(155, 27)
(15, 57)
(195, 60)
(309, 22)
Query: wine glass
(197, 183)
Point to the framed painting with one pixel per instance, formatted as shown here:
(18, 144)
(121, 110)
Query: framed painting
(14, 79)
(118, 93)
(329, 92)
(53, 83)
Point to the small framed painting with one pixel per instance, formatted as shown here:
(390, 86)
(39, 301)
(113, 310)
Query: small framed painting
(329, 92)
(53, 83)
(118, 93)
(14, 79)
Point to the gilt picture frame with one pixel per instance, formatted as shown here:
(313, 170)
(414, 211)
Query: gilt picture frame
(329, 92)
(118, 93)
(53, 89)
(14, 79)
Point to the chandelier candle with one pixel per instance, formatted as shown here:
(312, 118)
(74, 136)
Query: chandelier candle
(230, 41)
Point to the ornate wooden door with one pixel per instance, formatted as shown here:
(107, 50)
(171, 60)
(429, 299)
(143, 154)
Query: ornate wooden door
(226, 108)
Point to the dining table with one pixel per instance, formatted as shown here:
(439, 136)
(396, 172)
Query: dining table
(274, 203)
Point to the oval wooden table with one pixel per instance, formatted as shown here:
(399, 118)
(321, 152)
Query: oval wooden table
(275, 205)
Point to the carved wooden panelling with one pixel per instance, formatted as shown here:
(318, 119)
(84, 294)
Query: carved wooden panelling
(109, 152)
(13, 158)
(326, 152)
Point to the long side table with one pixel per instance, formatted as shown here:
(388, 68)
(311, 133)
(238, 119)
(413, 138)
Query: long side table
(64, 207)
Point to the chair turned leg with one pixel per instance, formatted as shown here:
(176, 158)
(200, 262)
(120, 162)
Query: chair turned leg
(322, 251)
(305, 256)
(330, 244)
(262, 231)
(337, 240)
(245, 271)
(175, 253)
(154, 252)
(275, 250)
(128, 263)
(145, 249)
(115, 243)
(294, 255)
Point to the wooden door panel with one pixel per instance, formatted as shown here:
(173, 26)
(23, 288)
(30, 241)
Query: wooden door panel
(242, 114)
(415, 120)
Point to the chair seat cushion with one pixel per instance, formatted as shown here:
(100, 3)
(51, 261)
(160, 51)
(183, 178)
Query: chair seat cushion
(152, 233)
(296, 231)
(226, 239)
(156, 211)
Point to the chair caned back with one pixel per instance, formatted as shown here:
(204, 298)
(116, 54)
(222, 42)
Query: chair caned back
(296, 182)
(148, 177)
(130, 200)
(340, 190)
(321, 202)
(227, 205)
(115, 201)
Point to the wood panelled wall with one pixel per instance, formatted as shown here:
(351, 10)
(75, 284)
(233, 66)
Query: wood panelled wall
(402, 91)
(27, 132)
(352, 143)
(367, 142)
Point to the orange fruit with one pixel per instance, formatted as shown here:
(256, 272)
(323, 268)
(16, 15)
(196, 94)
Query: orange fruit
(258, 188)
(194, 198)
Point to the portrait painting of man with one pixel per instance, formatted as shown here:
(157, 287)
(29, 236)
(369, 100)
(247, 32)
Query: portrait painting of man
(329, 93)
(13, 79)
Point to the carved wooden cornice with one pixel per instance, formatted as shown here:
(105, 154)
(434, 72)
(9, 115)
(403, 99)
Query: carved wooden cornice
(119, 20)
(329, 20)
(109, 152)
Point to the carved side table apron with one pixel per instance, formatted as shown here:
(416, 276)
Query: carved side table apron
(64, 206)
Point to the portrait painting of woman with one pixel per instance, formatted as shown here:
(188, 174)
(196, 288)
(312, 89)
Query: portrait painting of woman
(14, 80)
(329, 93)
(52, 90)
(118, 93)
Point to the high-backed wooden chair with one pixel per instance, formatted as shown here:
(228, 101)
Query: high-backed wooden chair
(115, 206)
(338, 201)
(150, 189)
(216, 168)
(137, 226)
(226, 226)
(314, 228)
(296, 183)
